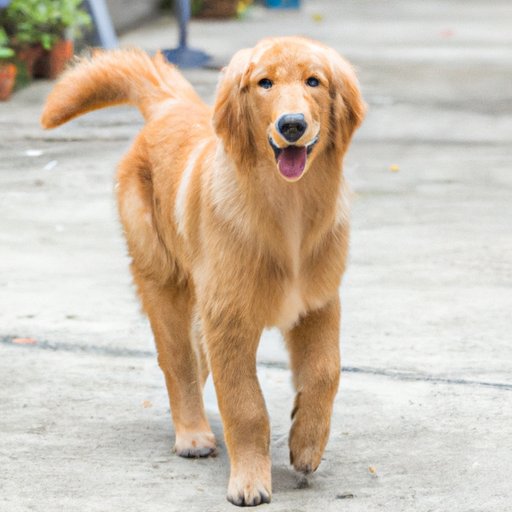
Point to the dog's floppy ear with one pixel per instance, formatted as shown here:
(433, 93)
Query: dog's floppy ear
(348, 109)
(231, 116)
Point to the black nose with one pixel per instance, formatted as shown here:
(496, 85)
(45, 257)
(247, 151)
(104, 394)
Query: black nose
(292, 126)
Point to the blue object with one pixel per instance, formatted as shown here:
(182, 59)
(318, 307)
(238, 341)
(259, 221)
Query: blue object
(183, 56)
(283, 4)
(104, 33)
(4, 3)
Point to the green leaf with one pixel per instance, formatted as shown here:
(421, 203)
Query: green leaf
(47, 41)
(6, 53)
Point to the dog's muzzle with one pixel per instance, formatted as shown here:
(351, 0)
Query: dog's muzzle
(291, 160)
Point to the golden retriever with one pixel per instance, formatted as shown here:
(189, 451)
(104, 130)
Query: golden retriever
(236, 219)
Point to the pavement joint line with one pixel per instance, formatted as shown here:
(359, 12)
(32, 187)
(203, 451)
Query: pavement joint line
(35, 138)
(425, 141)
(6, 340)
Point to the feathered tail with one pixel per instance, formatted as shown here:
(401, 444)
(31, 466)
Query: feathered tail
(112, 78)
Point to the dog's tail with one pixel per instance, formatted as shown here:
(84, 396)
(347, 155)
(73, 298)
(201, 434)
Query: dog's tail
(112, 78)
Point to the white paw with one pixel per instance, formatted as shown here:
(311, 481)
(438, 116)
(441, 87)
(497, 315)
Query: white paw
(195, 444)
(250, 487)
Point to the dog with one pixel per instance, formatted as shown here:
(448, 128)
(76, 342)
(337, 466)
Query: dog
(236, 219)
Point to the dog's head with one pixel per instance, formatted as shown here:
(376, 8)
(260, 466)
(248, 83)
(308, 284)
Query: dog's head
(287, 100)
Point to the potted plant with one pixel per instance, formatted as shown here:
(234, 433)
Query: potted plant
(43, 32)
(67, 21)
(20, 20)
(7, 68)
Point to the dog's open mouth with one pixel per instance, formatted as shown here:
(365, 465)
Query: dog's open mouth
(291, 160)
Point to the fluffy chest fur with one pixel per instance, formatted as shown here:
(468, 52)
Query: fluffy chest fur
(292, 240)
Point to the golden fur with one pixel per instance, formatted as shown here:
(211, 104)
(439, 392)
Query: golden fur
(222, 245)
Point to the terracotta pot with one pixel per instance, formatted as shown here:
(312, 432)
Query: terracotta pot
(53, 62)
(7, 79)
(217, 9)
(28, 55)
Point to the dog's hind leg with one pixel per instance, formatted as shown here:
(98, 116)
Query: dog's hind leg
(168, 301)
(314, 351)
(169, 309)
(199, 345)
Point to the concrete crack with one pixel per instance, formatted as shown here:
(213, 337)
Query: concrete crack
(6, 340)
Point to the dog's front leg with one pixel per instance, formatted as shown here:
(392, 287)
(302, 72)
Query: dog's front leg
(232, 346)
(315, 361)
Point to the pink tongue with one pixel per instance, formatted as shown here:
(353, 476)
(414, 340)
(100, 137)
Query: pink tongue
(291, 161)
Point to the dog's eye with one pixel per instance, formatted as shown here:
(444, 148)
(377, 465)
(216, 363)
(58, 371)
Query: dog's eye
(265, 83)
(313, 82)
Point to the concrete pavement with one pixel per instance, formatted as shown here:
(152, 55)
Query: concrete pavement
(423, 418)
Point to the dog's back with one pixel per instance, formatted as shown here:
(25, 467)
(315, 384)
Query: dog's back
(177, 123)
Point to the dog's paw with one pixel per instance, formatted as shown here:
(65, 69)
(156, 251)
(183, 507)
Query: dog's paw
(307, 446)
(195, 444)
(248, 495)
(250, 488)
(305, 460)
